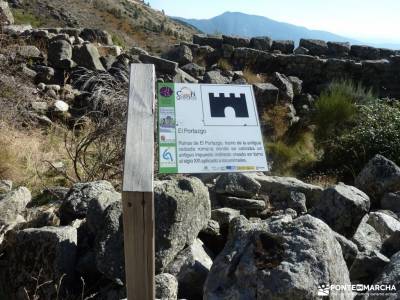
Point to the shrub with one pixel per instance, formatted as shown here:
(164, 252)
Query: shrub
(376, 130)
(337, 106)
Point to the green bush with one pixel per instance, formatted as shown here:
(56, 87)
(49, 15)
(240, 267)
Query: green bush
(337, 106)
(376, 130)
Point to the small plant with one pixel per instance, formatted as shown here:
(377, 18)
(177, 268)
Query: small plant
(251, 77)
(224, 65)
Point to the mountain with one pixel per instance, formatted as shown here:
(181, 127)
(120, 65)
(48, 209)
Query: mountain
(131, 23)
(236, 23)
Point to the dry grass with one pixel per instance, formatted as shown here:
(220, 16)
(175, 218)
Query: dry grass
(276, 118)
(27, 155)
(252, 77)
(224, 65)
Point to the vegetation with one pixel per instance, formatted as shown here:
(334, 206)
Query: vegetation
(24, 17)
(337, 106)
(347, 127)
(375, 130)
(224, 65)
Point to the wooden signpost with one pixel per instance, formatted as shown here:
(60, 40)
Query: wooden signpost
(202, 129)
(137, 190)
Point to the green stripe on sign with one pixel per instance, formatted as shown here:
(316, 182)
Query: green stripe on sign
(167, 129)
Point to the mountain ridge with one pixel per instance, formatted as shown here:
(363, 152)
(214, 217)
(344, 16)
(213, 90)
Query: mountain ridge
(247, 25)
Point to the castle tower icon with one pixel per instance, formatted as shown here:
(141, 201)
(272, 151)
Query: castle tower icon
(219, 104)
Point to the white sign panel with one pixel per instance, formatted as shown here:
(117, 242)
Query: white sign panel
(206, 128)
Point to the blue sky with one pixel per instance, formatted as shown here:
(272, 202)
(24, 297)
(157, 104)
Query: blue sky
(369, 20)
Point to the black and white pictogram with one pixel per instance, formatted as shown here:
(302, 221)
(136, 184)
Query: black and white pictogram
(222, 107)
(220, 103)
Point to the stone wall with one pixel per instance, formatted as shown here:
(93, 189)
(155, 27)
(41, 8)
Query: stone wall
(376, 68)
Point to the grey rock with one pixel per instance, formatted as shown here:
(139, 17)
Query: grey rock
(5, 186)
(298, 202)
(391, 201)
(208, 40)
(213, 237)
(41, 216)
(40, 106)
(367, 266)
(279, 188)
(60, 54)
(349, 249)
(215, 77)
(284, 46)
(108, 61)
(162, 65)
(364, 52)
(96, 35)
(286, 92)
(137, 51)
(378, 177)
(166, 287)
(182, 209)
(48, 253)
(224, 215)
(13, 204)
(247, 207)
(297, 84)
(389, 276)
(277, 259)
(87, 56)
(194, 69)
(342, 207)
(316, 47)
(392, 244)
(181, 54)
(237, 184)
(60, 106)
(29, 52)
(109, 245)
(266, 96)
(183, 77)
(6, 16)
(384, 224)
(44, 74)
(191, 267)
(77, 201)
(366, 237)
(227, 51)
(16, 29)
(261, 43)
(301, 51)
(338, 49)
(236, 41)
(28, 72)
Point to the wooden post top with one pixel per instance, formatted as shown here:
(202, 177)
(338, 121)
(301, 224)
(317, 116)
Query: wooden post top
(139, 148)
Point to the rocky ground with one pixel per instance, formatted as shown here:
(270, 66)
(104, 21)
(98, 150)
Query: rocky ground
(230, 236)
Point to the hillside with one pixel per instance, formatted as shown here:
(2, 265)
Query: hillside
(236, 23)
(131, 23)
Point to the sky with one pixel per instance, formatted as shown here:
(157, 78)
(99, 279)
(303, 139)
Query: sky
(368, 20)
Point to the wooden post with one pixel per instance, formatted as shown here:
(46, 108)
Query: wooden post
(137, 190)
